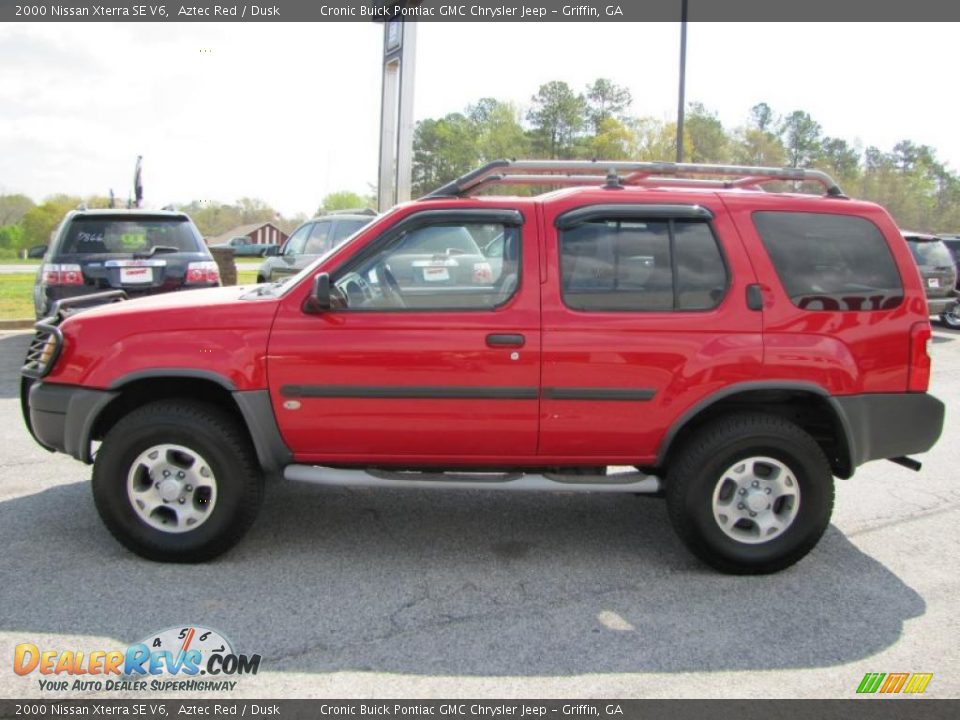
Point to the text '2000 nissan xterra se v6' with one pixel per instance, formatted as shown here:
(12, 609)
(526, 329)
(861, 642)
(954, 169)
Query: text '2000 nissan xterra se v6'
(652, 328)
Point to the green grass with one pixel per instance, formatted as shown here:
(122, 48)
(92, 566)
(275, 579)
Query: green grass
(16, 296)
(32, 262)
(16, 292)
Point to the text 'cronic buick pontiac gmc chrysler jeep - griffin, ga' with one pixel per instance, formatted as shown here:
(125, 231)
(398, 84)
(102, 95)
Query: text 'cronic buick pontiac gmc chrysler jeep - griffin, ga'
(647, 328)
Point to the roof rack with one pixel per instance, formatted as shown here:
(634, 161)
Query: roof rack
(608, 174)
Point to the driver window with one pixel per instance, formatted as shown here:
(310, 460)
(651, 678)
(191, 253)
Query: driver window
(296, 242)
(447, 266)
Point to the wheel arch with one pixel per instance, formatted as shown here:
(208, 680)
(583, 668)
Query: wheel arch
(808, 405)
(252, 408)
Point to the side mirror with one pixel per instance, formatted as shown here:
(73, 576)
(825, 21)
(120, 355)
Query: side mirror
(319, 299)
(272, 251)
(37, 251)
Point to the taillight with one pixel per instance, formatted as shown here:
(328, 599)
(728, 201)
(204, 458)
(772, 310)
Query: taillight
(203, 272)
(919, 377)
(54, 274)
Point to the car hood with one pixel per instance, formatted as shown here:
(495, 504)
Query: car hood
(201, 300)
(219, 331)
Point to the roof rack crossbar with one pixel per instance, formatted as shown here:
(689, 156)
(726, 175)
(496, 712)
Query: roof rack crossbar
(567, 172)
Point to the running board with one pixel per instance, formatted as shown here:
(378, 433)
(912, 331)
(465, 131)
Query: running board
(632, 482)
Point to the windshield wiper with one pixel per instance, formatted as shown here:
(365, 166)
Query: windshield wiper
(156, 249)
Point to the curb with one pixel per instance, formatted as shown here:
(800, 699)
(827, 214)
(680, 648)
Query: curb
(17, 324)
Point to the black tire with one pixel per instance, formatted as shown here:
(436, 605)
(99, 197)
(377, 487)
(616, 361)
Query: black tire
(951, 318)
(700, 466)
(219, 440)
(261, 279)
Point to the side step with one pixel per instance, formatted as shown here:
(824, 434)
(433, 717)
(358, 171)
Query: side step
(627, 482)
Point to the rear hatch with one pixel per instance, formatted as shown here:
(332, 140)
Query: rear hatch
(140, 255)
(935, 264)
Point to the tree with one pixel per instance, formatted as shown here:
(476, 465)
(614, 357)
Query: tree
(605, 99)
(656, 141)
(499, 132)
(11, 237)
(557, 117)
(752, 146)
(343, 200)
(443, 150)
(801, 137)
(40, 221)
(13, 207)
(837, 156)
(614, 140)
(761, 117)
(708, 140)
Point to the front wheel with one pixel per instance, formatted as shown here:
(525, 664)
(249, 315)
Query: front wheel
(951, 318)
(176, 481)
(750, 494)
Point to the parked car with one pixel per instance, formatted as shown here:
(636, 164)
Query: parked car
(243, 247)
(311, 240)
(939, 273)
(138, 251)
(730, 349)
(951, 317)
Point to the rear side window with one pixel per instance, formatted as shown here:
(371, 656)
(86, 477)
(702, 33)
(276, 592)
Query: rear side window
(346, 228)
(830, 262)
(106, 235)
(930, 253)
(639, 265)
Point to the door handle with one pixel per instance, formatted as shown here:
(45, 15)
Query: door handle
(496, 340)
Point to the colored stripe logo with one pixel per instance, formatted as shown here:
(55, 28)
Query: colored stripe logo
(893, 683)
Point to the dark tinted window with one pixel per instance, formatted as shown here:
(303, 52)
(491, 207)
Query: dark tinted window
(317, 243)
(830, 262)
(641, 265)
(128, 234)
(930, 253)
(346, 228)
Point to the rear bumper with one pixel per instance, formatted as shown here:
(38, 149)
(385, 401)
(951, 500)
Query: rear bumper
(890, 425)
(938, 306)
(61, 417)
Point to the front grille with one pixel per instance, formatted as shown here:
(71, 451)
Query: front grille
(44, 349)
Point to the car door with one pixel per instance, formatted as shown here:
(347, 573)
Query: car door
(438, 373)
(645, 316)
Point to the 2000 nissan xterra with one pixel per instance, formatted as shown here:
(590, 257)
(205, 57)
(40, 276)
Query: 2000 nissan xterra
(654, 328)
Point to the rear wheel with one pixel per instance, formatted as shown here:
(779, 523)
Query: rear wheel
(951, 318)
(750, 494)
(176, 481)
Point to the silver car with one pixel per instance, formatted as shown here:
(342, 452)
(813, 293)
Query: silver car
(310, 241)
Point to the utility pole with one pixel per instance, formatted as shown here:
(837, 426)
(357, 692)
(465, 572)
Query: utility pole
(396, 113)
(683, 79)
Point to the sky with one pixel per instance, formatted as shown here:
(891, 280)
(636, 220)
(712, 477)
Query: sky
(289, 112)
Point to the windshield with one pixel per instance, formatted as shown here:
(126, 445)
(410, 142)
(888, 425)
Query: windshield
(126, 234)
(931, 253)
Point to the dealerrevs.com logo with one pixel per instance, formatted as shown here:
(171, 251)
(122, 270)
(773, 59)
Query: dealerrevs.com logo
(188, 658)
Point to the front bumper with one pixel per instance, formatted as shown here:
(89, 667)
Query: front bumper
(61, 417)
(880, 426)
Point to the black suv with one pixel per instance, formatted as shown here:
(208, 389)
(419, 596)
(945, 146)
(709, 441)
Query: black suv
(138, 251)
(938, 272)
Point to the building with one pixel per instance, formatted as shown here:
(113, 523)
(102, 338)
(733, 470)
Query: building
(261, 233)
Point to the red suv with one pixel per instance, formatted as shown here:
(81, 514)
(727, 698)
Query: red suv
(638, 332)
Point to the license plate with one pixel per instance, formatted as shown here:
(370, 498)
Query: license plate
(933, 282)
(136, 275)
(436, 274)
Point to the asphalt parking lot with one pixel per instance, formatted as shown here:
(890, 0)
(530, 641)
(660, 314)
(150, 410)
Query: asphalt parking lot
(352, 593)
